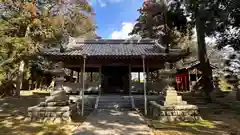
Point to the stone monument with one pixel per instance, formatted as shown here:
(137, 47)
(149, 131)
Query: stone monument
(174, 109)
(56, 107)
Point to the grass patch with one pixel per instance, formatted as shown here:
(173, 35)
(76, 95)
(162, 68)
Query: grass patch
(224, 86)
(203, 123)
(14, 110)
(186, 128)
(16, 127)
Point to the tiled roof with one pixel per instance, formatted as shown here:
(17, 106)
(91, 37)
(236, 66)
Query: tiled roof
(111, 48)
(193, 64)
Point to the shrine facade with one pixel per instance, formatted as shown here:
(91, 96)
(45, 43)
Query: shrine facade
(114, 60)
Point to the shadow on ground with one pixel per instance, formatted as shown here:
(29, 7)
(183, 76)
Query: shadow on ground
(114, 122)
(218, 120)
(13, 112)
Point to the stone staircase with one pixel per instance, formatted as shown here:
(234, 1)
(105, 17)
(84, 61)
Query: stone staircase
(114, 102)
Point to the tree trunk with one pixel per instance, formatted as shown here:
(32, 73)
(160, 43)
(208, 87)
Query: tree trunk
(202, 56)
(19, 78)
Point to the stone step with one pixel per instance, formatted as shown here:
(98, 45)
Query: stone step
(110, 107)
(113, 102)
(114, 99)
(120, 102)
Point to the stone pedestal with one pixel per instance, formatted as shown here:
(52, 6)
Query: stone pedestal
(56, 107)
(172, 98)
(173, 109)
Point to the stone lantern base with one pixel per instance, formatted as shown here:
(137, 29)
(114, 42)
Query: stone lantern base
(173, 109)
(56, 108)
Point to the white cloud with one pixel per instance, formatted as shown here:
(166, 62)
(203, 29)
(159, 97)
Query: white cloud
(103, 3)
(115, 1)
(123, 32)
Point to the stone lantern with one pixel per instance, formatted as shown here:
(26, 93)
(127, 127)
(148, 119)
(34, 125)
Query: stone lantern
(173, 108)
(56, 107)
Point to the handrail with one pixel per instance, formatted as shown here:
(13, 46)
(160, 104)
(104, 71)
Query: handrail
(96, 104)
(193, 86)
(132, 102)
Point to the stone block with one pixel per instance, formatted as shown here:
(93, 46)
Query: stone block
(34, 108)
(50, 104)
(57, 120)
(171, 113)
(57, 98)
(66, 114)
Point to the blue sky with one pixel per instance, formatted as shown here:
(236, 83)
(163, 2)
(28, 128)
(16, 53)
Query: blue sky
(115, 18)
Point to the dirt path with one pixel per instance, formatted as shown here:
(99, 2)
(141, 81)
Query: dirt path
(112, 122)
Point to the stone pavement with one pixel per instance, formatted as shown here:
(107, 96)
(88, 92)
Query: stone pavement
(113, 122)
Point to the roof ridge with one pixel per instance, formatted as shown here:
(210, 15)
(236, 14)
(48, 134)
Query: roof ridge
(116, 41)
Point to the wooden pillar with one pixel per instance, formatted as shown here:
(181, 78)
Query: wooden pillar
(145, 85)
(148, 81)
(100, 80)
(83, 83)
(91, 76)
(185, 81)
(177, 78)
(196, 73)
(139, 77)
(78, 77)
(130, 79)
(81, 76)
(189, 81)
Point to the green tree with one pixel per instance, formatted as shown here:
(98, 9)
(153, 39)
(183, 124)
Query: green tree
(208, 16)
(163, 19)
(28, 26)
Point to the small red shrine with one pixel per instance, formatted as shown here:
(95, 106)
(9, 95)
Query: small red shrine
(187, 77)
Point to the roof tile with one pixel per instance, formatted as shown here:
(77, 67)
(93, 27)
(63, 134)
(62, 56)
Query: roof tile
(112, 48)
